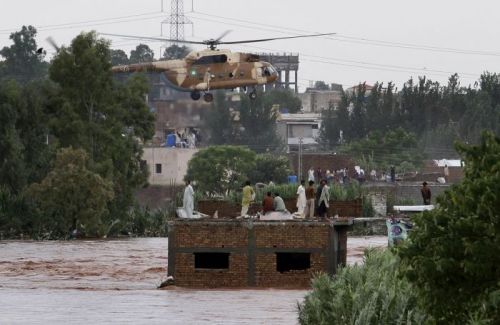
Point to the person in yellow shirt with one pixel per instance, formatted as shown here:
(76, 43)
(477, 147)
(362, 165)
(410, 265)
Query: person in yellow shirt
(248, 197)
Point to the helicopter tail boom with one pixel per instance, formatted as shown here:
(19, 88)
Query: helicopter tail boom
(138, 67)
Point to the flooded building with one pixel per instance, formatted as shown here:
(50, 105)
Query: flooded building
(209, 253)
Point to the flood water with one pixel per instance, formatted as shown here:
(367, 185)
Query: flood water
(115, 281)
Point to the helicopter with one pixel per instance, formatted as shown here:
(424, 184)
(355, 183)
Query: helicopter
(212, 68)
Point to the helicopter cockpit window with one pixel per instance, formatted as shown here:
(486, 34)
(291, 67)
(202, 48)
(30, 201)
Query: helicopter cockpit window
(210, 59)
(267, 71)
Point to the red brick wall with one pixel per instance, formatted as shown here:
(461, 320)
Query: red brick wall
(244, 239)
(267, 276)
(186, 276)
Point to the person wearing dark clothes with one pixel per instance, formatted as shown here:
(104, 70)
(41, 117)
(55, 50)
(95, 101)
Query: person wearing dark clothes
(268, 203)
(426, 193)
(393, 174)
(310, 201)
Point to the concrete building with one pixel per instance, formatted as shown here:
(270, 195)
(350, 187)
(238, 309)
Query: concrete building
(315, 101)
(294, 127)
(167, 165)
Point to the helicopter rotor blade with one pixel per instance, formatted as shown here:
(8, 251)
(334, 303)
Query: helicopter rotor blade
(53, 43)
(274, 38)
(223, 35)
(153, 38)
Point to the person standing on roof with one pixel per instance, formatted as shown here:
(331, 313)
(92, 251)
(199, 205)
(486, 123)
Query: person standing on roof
(248, 196)
(188, 199)
(301, 198)
(324, 199)
(310, 174)
(426, 193)
(310, 193)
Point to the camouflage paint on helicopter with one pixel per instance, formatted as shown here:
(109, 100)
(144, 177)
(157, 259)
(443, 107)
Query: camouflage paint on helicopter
(211, 68)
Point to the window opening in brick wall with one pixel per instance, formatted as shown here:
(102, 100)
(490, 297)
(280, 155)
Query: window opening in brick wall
(158, 168)
(211, 261)
(292, 261)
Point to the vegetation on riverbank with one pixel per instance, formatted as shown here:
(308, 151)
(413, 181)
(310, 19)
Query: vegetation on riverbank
(448, 272)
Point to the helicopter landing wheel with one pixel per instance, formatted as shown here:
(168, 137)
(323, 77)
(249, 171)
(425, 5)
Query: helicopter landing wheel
(252, 95)
(195, 95)
(208, 97)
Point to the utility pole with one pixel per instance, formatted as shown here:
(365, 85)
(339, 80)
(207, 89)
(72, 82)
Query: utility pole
(300, 159)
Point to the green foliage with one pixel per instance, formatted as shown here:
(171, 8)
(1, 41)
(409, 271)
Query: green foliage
(270, 167)
(12, 168)
(143, 221)
(453, 257)
(141, 54)
(221, 121)
(109, 120)
(258, 121)
(72, 196)
(284, 99)
(329, 133)
(345, 192)
(219, 169)
(372, 293)
(175, 52)
(118, 57)
(249, 122)
(22, 62)
(392, 148)
(15, 214)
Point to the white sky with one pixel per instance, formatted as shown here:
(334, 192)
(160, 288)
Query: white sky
(463, 27)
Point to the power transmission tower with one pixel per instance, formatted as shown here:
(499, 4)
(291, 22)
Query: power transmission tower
(176, 20)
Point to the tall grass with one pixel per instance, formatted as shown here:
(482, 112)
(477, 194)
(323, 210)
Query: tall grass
(372, 293)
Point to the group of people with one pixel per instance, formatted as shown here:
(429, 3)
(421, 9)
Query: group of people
(311, 199)
(335, 176)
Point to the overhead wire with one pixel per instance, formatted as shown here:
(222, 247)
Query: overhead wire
(287, 29)
(94, 22)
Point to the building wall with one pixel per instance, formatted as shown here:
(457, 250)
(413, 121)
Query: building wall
(319, 100)
(173, 163)
(253, 248)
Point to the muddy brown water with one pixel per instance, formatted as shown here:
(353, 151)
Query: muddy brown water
(114, 281)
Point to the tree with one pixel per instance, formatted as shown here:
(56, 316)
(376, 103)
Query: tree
(176, 52)
(358, 116)
(329, 131)
(108, 119)
(285, 99)
(389, 148)
(221, 124)
(219, 169)
(258, 119)
(23, 62)
(72, 196)
(12, 168)
(119, 57)
(270, 167)
(142, 53)
(453, 255)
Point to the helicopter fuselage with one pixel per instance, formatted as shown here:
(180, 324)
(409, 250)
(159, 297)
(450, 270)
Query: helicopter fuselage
(210, 69)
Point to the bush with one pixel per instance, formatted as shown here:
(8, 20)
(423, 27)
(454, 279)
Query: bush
(372, 293)
(453, 257)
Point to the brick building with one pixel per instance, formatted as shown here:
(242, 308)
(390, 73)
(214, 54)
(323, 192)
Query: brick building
(211, 253)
